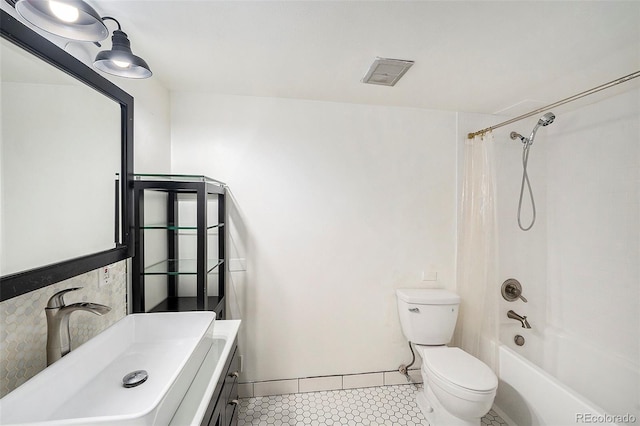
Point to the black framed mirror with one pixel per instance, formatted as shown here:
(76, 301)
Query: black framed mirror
(66, 192)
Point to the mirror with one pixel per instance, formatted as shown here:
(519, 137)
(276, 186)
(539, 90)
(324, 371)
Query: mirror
(60, 156)
(66, 140)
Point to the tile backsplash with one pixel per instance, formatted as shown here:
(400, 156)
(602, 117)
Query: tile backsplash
(23, 325)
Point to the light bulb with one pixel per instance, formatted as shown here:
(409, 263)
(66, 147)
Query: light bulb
(122, 64)
(63, 11)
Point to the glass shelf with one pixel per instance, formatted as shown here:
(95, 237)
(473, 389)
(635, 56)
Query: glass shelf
(179, 227)
(179, 267)
(178, 178)
(192, 224)
(181, 304)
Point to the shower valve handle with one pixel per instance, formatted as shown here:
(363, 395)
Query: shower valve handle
(515, 294)
(512, 290)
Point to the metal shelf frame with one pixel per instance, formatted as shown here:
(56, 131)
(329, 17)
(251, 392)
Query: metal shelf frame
(203, 190)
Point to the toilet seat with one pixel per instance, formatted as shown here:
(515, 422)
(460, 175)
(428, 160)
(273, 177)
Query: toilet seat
(458, 372)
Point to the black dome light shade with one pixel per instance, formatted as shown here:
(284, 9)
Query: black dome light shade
(120, 61)
(71, 19)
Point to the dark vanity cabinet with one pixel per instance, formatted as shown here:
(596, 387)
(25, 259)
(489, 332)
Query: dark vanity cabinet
(179, 242)
(223, 406)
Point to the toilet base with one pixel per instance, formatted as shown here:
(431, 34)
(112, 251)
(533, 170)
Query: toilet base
(436, 414)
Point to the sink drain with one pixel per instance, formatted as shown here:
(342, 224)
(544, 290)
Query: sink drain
(135, 378)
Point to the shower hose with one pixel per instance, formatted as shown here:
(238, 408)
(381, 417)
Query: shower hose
(525, 179)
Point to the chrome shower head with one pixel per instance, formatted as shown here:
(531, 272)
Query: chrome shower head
(546, 119)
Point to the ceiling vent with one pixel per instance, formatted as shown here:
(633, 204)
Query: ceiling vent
(386, 72)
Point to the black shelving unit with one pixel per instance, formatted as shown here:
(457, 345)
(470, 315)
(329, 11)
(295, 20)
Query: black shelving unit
(178, 189)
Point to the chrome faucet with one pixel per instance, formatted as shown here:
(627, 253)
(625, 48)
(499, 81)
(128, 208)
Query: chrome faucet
(58, 338)
(522, 319)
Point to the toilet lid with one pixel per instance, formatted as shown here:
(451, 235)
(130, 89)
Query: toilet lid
(427, 296)
(455, 366)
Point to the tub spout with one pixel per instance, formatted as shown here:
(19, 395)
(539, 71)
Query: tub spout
(523, 319)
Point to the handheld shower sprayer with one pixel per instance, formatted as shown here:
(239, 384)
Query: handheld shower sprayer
(544, 121)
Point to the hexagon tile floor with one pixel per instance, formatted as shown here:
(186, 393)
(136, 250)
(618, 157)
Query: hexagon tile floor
(379, 406)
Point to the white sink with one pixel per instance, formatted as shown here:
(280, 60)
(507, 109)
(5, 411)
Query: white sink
(85, 387)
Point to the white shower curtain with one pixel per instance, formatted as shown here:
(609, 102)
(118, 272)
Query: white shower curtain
(477, 256)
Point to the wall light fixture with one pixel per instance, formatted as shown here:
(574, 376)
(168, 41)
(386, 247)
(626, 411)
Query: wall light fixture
(76, 20)
(71, 19)
(120, 60)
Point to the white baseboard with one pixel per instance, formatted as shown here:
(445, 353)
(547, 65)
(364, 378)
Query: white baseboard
(326, 383)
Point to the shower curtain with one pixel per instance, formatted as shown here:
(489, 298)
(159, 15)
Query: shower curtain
(477, 256)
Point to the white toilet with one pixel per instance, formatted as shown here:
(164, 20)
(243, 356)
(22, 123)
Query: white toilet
(458, 388)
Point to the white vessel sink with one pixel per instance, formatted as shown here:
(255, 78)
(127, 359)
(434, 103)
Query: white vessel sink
(85, 387)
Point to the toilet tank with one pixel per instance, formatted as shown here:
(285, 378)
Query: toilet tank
(428, 316)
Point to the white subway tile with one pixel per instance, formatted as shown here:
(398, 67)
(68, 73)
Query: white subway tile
(416, 376)
(395, 378)
(362, 380)
(275, 387)
(245, 390)
(315, 384)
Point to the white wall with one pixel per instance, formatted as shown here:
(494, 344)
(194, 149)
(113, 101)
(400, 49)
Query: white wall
(593, 198)
(151, 124)
(523, 254)
(579, 265)
(333, 206)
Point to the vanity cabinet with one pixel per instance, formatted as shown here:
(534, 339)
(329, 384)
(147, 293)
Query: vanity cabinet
(223, 406)
(184, 214)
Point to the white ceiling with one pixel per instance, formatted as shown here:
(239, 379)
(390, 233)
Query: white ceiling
(473, 56)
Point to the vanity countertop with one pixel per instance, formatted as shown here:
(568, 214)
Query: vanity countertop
(194, 405)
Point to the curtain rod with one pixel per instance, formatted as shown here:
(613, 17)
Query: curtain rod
(555, 104)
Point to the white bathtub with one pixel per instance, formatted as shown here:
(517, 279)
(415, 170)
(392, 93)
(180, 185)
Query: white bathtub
(529, 396)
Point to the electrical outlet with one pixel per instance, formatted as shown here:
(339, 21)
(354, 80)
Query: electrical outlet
(429, 276)
(105, 276)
